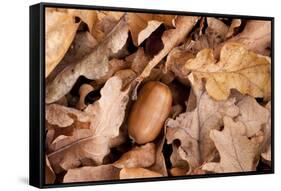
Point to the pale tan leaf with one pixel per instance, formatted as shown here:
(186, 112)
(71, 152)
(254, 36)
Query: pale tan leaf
(143, 24)
(235, 23)
(170, 38)
(107, 115)
(238, 69)
(142, 156)
(193, 127)
(266, 148)
(93, 66)
(128, 173)
(256, 37)
(237, 151)
(91, 173)
(60, 31)
(62, 116)
(252, 114)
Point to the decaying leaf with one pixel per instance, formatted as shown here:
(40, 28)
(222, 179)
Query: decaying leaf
(91, 173)
(128, 173)
(142, 156)
(111, 105)
(238, 69)
(237, 151)
(92, 66)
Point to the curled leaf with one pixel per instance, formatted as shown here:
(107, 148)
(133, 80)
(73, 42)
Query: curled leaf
(93, 66)
(95, 146)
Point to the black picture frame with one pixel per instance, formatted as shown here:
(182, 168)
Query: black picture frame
(37, 94)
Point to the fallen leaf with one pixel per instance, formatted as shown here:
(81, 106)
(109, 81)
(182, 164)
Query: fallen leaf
(252, 114)
(235, 23)
(128, 173)
(93, 66)
(238, 68)
(139, 156)
(50, 176)
(62, 116)
(107, 115)
(143, 24)
(237, 151)
(91, 173)
(256, 37)
(266, 147)
(192, 128)
(160, 166)
(60, 31)
(170, 38)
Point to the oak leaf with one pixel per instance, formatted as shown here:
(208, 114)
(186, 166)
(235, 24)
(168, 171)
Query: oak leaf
(237, 152)
(256, 37)
(139, 156)
(238, 69)
(128, 173)
(107, 115)
(143, 24)
(94, 65)
(61, 28)
(192, 128)
(252, 114)
(91, 173)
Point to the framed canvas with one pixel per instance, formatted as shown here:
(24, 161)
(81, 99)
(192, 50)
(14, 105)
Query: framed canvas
(130, 95)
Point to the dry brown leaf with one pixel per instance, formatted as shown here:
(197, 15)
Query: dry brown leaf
(160, 166)
(256, 37)
(91, 173)
(61, 27)
(235, 23)
(93, 66)
(128, 173)
(252, 114)
(170, 38)
(142, 156)
(138, 60)
(217, 26)
(237, 152)
(62, 116)
(266, 148)
(104, 23)
(193, 127)
(143, 24)
(107, 115)
(60, 31)
(238, 69)
(50, 176)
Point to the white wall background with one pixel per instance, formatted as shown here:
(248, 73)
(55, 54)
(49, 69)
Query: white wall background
(14, 39)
